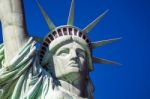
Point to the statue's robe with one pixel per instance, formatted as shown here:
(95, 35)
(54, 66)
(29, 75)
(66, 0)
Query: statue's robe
(25, 78)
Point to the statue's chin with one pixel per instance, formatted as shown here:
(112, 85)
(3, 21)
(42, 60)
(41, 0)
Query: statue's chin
(71, 75)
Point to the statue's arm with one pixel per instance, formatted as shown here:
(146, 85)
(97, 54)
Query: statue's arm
(13, 27)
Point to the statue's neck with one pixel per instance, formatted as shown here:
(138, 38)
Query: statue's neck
(76, 87)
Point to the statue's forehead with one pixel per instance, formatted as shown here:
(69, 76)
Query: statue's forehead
(68, 41)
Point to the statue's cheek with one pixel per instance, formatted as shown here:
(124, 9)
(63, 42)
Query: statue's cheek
(82, 63)
(59, 64)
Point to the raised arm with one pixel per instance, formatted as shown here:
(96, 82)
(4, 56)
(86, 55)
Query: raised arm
(13, 27)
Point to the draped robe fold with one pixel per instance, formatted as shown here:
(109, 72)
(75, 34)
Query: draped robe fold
(25, 78)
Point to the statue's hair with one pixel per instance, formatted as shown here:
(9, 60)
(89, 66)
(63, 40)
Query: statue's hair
(90, 89)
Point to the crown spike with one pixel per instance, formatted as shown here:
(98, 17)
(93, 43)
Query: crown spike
(92, 24)
(103, 42)
(47, 19)
(104, 61)
(71, 14)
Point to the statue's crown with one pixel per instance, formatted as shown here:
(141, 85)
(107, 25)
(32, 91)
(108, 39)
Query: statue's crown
(70, 29)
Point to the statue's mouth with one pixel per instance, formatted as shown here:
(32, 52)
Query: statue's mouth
(73, 64)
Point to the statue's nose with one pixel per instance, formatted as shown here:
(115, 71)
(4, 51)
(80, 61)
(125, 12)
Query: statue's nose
(73, 54)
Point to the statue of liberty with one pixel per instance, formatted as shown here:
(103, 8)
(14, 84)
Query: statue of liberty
(59, 69)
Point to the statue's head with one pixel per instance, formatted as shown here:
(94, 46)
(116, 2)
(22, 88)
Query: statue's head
(67, 51)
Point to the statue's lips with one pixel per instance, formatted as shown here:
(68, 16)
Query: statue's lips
(73, 64)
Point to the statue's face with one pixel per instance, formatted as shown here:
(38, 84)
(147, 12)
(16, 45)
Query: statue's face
(69, 60)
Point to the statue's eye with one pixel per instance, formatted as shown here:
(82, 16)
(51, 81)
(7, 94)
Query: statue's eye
(63, 52)
(81, 53)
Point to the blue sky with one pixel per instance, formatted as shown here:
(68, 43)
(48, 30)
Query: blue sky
(129, 19)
